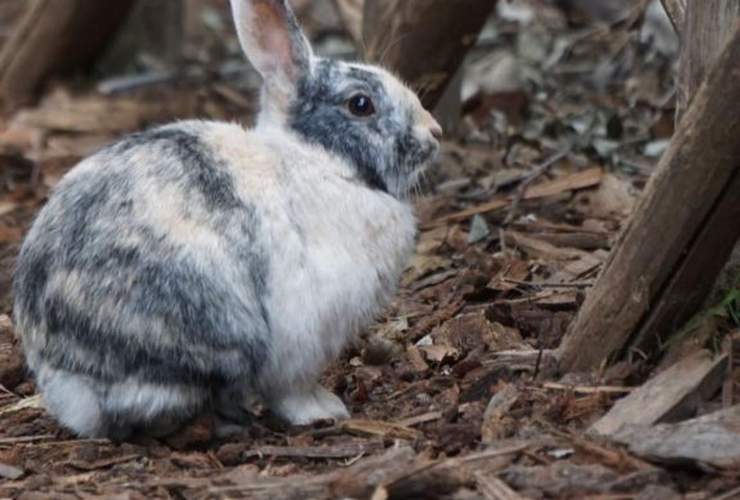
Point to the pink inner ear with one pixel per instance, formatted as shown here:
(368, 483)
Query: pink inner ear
(272, 36)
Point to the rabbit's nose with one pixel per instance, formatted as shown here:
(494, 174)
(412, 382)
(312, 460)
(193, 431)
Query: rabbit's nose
(433, 125)
(436, 130)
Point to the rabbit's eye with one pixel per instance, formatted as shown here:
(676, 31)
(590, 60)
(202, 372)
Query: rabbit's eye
(361, 105)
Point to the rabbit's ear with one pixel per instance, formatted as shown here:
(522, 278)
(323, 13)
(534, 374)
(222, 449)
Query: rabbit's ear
(273, 41)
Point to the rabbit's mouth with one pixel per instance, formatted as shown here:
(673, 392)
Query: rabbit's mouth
(416, 168)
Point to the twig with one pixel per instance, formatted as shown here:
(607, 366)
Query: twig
(456, 462)
(421, 419)
(335, 452)
(76, 441)
(537, 364)
(548, 285)
(26, 439)
(580, 389)
(539, 170)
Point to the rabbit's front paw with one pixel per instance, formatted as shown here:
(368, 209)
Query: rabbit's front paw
(306, 407)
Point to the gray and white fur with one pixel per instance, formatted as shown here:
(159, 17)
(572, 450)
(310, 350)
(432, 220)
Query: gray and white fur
(193, 267)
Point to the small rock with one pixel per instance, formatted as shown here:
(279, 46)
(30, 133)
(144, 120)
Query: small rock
(197, 434)
(379, 352)
(479, 230)
(10, 472)
(230, 454)
(11, 360)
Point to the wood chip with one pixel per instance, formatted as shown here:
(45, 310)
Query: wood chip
(711, 441)
(34, 402)
(421, 419)
(496, 413)
(416, 360)
(102, 464)
(667, 397)
(541, 249)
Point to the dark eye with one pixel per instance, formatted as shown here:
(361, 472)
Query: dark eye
(361, 105)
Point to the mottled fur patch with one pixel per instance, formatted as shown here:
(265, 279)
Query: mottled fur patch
(115, 297)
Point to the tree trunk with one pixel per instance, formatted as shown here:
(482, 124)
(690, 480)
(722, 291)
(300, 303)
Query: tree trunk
(351, 13)
(708, 25)
(55, 36)
(684, 227)
(425, 41)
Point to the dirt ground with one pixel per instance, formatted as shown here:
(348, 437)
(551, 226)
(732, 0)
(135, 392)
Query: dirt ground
(454, 393)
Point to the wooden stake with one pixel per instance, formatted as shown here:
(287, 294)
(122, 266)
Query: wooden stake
(679, 233)
(55, 36)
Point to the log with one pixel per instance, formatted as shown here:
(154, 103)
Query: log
(678, 237)
(55, 36)
(424, 41)
(706, 28)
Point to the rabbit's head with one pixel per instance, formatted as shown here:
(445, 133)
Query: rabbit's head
(360, 112)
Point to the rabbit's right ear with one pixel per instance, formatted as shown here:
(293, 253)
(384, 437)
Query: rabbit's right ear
(274, 43)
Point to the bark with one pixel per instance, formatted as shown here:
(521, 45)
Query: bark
(56, 36)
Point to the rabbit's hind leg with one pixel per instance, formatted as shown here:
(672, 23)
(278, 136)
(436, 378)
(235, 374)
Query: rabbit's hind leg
(232, 415)
(73, 399)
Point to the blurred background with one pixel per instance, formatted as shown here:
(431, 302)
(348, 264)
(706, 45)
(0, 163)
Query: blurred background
(513, 82)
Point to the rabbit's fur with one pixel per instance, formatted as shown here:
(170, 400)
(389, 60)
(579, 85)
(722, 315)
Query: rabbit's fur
(198, 265)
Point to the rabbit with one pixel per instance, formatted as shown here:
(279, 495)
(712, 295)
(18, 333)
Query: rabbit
(197, 266)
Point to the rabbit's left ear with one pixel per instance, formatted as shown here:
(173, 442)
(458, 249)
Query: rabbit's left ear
(273, 41)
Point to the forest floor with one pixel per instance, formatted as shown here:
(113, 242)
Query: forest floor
(454, 394)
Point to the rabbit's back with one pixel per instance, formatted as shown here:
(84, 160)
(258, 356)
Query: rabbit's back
(142, 282)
